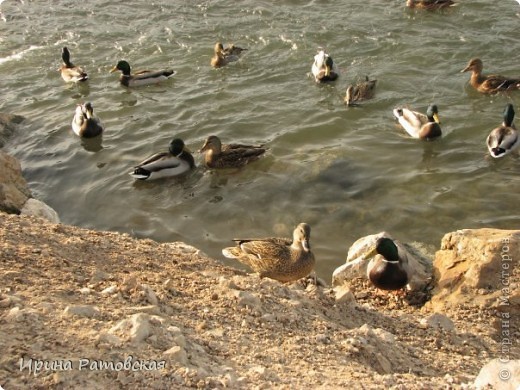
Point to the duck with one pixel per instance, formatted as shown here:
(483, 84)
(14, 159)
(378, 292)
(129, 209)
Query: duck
(217, 155)
(282, 259)
(142, 77)
(388, 269)
(84, 123)
(489, 83)
(176, 161)
(419, 125)
(323, 68)
(69, 71)
(504, 139)
(430, 5)
(223, 56)
(360, 91)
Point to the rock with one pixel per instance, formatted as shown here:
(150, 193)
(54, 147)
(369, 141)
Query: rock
(14, 190)
(150, 295)
(343, 294)
(178, 354)
(8, 125)
(245, 298)
(82, 311)
(475, 267)
(503, 375)
(109, 290)
(37, 208)
(17, 314)
(356, 265)
(136, 328)
(438, 320)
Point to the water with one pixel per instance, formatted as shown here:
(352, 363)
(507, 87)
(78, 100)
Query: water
(348, 172)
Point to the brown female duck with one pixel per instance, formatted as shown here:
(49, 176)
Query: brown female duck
(489, 83)
(217, 155)
(282, 259)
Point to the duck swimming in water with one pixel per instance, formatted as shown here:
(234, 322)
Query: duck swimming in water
(142, 77)
(419, 125)
(505, 138)
(176, 161)
(323, 68)
(489, 83)
(69, 71)
(84, 123)
(217, 155)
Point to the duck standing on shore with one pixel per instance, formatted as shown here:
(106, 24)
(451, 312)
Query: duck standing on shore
(282, 259)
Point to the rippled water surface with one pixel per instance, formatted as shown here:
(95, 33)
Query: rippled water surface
(348, 172)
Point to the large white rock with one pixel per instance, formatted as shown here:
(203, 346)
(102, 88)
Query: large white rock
(37, 208)
(499, 375)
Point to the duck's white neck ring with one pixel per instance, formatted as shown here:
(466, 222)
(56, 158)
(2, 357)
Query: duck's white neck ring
(391, 262)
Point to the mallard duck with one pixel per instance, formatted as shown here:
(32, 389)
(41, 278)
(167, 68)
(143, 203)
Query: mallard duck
(176, 161)
(282, 259)
(488, 83)
(504, 139)
(419, 125)
(84, 123)
(217, 155)
(323, 68)
(361, 91)
(142, 77)
(429, 4)
(388, 269)
(223, 56)
(69, 71)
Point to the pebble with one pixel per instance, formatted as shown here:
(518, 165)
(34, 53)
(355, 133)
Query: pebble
(82, 311)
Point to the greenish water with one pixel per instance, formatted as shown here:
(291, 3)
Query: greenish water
(348, 172)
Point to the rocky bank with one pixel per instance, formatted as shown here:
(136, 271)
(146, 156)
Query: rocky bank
(97, 310)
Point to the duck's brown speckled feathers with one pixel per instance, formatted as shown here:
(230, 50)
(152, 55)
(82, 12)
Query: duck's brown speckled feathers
(489, 83)
(360, 91)
(224, 55)
(430, 5)
(217, 155)
(282, 259)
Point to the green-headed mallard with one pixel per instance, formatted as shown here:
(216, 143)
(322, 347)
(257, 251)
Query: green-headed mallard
(282, 259)
(69, 71)
(360, 91)
(176, 161)
(419, 125)
(84, 123)
(489, 83)
(388, 270)
(217, 155)
(142, 77)
(223, 56)
(504, 139)
(323, 68)
(429, 4)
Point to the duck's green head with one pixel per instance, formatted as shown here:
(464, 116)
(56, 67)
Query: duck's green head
(509, 115)
(177, 147)
(386, 248)
(123, 66)
(433, 113)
